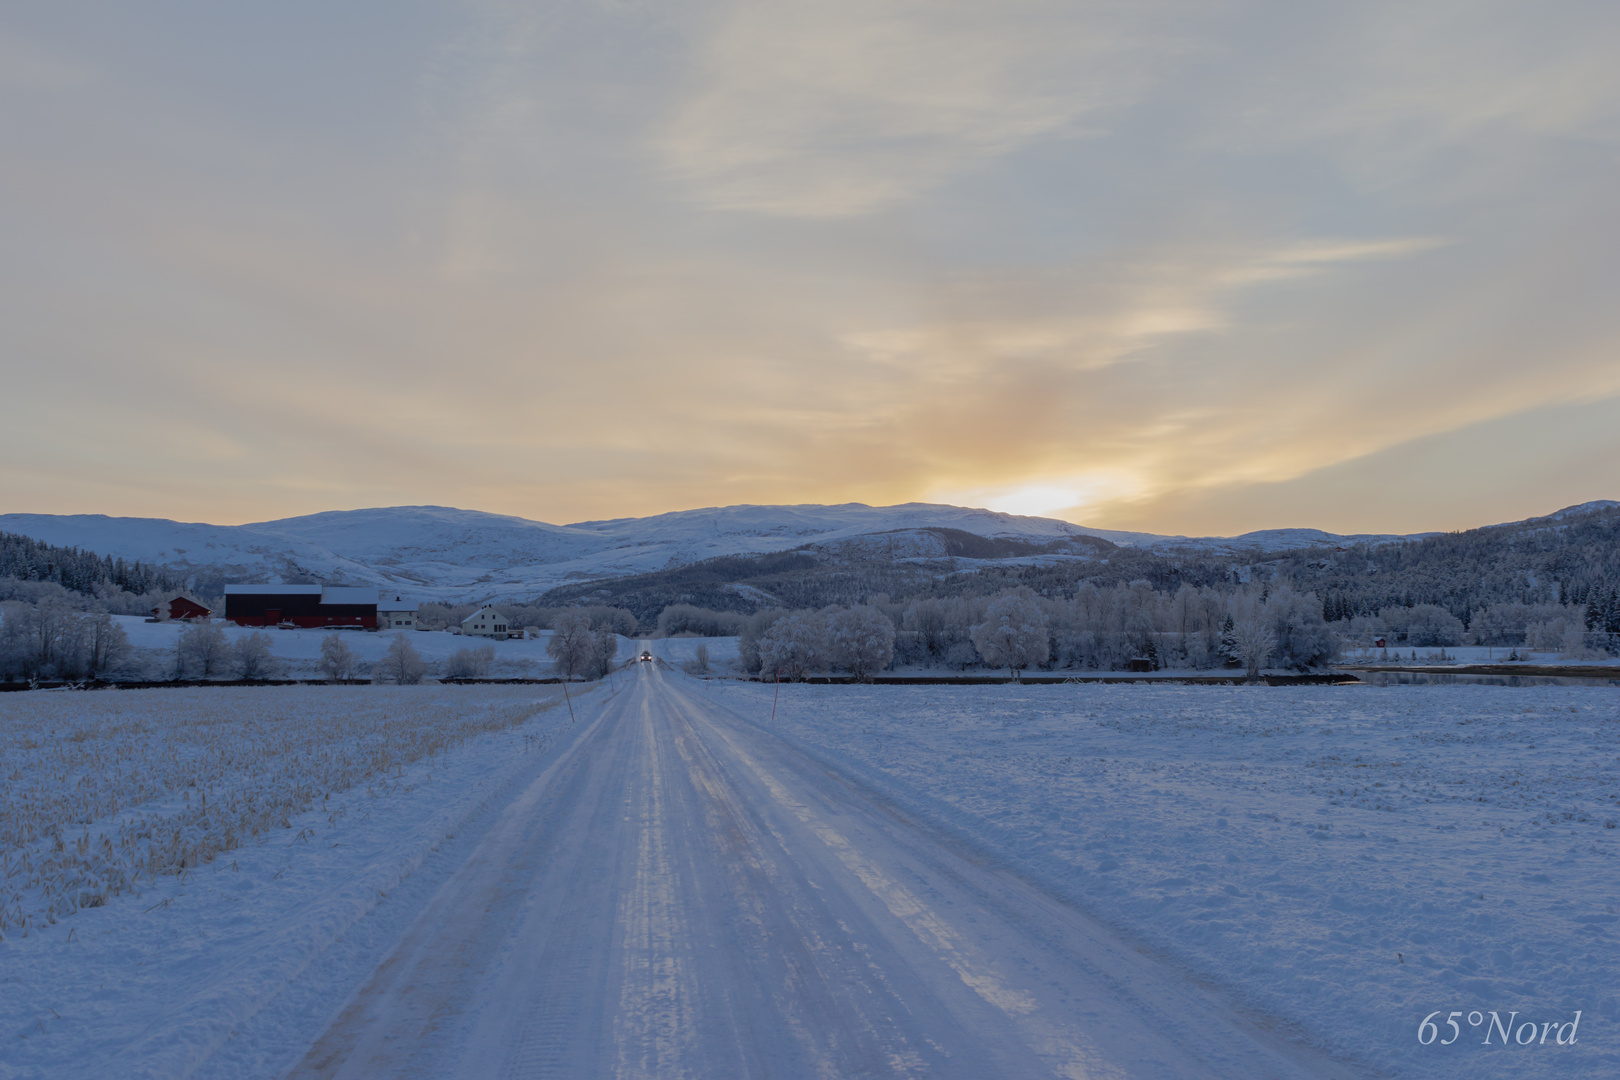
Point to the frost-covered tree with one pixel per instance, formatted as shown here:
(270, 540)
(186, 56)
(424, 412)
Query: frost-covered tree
(1423, 625)
(337, 659)
(251, 656)
(930, 621)
(1253, 642)
(1303, 637)
(699, 664)
(795, 646)
(1013, 634)
(571, 643)
(1560, 632)
(753, 629)
(684, 620)
(1229, 645)
(860, 640)
(109, 649)
(51, 639)
(607, 651)
(578, 648)
(402, 663)
(470, 663)
(201, 649)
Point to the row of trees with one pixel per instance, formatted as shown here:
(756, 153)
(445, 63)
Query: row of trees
(50, 639)
(1096, 629)
(50, 635)
(1570, 628)
(859, 640)
(203, 651)
(1017, 630)
(1128, 625)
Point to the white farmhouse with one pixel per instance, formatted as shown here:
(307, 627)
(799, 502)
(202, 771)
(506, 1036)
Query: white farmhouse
(487, 622)
(396, 613)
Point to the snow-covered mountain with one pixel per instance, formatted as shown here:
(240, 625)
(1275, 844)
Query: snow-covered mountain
(437, 552)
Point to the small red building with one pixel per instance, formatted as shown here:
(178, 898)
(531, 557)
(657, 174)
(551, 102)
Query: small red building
(181, 607)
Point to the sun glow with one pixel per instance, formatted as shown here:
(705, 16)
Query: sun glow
(1064, 498)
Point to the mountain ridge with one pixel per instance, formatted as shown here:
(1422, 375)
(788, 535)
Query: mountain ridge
(448, 553)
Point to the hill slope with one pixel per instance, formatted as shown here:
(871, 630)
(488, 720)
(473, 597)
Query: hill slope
(443, 553)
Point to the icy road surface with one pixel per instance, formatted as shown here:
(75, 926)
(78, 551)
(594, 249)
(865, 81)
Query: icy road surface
(681, 894)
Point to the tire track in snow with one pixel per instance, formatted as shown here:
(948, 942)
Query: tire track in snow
(1073, 1059)
(654, 1024)
(1101, 1006)
(832, 1000)
(683, 894)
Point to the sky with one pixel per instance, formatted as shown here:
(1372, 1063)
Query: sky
(1185, 267)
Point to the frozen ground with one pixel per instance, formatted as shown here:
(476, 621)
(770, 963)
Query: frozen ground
(684, 895)
(158, 977)
(1005, 881)
(1345, 859)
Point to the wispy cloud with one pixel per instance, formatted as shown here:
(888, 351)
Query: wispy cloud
(579, 260)
(848, 107)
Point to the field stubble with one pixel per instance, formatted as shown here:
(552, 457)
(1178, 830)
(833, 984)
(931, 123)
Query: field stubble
(100, 793)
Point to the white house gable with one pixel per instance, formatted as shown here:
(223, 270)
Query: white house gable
(486, 622)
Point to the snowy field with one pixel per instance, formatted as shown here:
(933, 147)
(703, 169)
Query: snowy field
(1351, 859)
(1342, 862)
(172, 858)
(298, 650)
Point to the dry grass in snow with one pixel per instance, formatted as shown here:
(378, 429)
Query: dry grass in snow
(99, 791)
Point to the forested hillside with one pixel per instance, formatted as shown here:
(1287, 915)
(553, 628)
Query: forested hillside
(1569, 558)
(25, 559)
(1565, 558)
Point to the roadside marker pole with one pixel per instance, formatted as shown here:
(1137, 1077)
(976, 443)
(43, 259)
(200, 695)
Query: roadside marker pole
(778, 696)
(572, 719)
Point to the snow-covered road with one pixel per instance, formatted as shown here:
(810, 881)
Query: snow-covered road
(683, 894)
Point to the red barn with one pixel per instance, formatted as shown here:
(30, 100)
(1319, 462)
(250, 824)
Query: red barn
(301, 605)
(181, 607)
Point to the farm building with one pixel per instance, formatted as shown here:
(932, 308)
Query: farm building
(396, 614)
(181, 607)
(301, 605)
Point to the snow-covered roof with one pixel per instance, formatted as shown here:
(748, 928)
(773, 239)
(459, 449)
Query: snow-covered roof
(396, 603)
(273, 590)
(329, 594)
(482, 611)
(339, 594)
